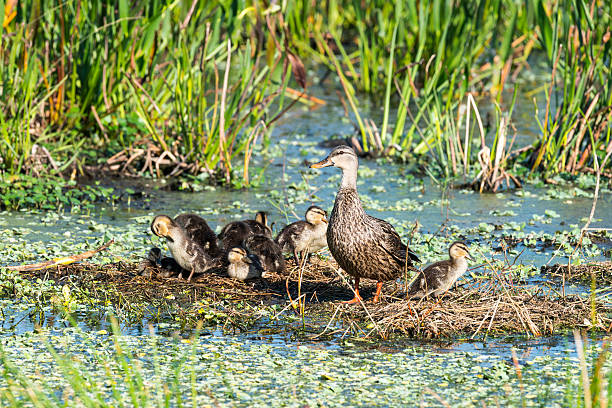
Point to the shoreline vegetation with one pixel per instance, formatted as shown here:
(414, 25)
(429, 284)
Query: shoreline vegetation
(165, 89)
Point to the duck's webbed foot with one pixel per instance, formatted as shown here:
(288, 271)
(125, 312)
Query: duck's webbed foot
(357, 297)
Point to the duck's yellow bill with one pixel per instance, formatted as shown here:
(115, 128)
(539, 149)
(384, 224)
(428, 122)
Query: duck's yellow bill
(322, 163)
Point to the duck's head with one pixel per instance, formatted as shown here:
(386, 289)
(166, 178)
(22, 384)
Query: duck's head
(459, 250)
(262, 218)
(316, 215)
(342, 157)
(162, 225)
(237, 254)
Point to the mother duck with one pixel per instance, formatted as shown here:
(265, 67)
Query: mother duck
(363, 246)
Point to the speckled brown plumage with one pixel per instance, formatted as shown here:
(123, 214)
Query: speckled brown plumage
(188, 253)
(234, 234)
(365, 246)
(440, 276)
(198, 229)
(259, 226)
(267, 250)
(305, 235)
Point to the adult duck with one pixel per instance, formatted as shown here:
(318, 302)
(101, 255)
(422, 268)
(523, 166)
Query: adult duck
(363, 246)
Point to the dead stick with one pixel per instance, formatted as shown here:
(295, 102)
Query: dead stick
(60, 261)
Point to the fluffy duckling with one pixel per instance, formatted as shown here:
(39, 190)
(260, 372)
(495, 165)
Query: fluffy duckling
(234, 234)
(268, 251)
(198, 229)
(154, 258)
(438, 277)
(259, 225)
(243, 266)
(303, 237)
(186, 252)
(363, 246)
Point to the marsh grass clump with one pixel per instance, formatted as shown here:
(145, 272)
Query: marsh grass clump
(161, 88)
(576, 124)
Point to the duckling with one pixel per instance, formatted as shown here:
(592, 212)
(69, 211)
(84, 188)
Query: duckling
(268, 251)
(243, 266)
(185, 251)
(363, 246)
(154, 258)
(259, 225)
(305, 236)
(438, 277)
(197, 228)
(234, 233)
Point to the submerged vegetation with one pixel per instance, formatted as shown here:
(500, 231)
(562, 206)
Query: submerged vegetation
(171, 88)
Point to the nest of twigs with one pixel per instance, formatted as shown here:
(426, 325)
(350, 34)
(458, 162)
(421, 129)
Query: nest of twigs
(471, 313)
(495, 307)
(598, 272)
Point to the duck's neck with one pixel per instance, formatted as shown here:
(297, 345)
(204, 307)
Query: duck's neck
(349, 178)
(459, 265)
(347, 203)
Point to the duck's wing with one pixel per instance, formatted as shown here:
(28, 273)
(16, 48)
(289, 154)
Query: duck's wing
(290, 234)
(198, 230)
(268, 251)
(258, 228)
(256, 262)
(234, 233)
(428, 280)
(390, 242)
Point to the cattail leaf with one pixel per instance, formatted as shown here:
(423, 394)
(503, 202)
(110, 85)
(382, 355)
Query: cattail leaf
(297, 68)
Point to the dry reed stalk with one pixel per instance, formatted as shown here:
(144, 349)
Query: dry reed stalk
(65, 260)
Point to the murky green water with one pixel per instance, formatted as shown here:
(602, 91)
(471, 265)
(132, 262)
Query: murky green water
(255, 370)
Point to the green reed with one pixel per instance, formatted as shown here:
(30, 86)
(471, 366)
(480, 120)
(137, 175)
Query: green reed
(125, 383)
(412, 54)
(576, 123)
(202, 81)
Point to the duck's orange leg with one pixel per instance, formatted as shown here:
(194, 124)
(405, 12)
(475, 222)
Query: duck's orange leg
(357, 298)
(377, 294)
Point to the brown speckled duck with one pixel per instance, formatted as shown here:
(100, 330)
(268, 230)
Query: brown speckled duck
(188, 253)
(302, 237)
(363, 246)
(438, 277)
(243, 266)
